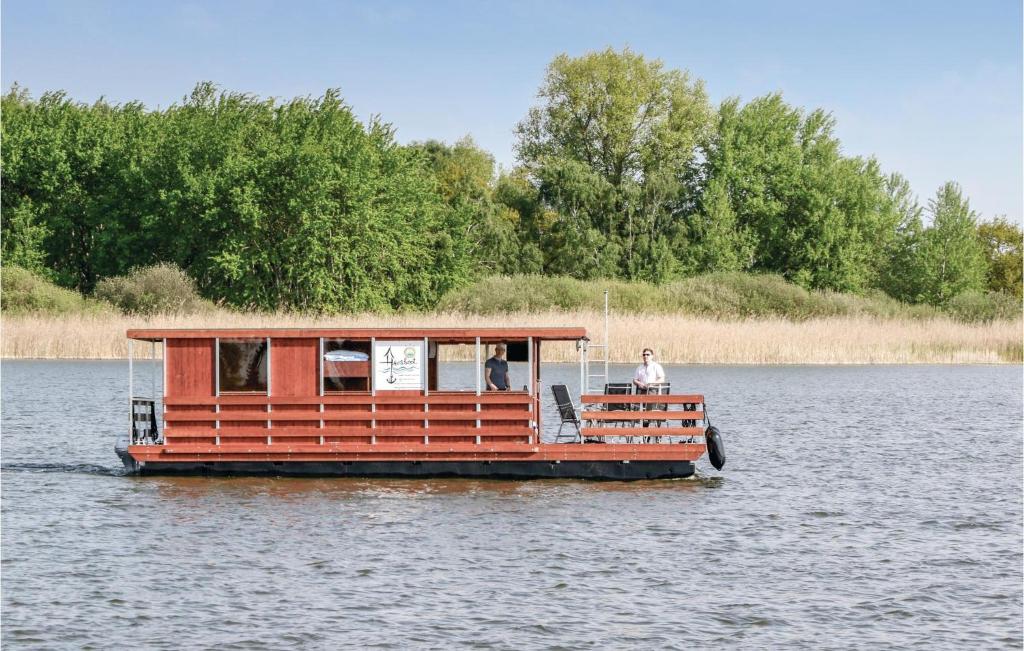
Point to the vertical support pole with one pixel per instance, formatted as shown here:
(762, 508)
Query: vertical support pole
(373, 360)
(478, 373)
(216, 366)
(529, 384)
(424, 364)
(540, 384)
(216, 377)
(584, 371)
(152, 369)
(373, 390)
(270, 439)
(163, 396)
(131, 393)
(152, 376)
(583, 367)
(529, 364)
(607, 342)
(320, 372)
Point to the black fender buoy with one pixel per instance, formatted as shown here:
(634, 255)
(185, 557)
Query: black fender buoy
(716, 448)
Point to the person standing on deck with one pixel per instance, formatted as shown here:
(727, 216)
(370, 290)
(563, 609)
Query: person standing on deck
(650, 372)
(496, 370)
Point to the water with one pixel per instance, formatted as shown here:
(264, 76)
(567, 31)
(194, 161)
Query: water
(861, 506)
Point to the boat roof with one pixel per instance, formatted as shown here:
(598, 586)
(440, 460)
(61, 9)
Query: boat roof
(450, 335)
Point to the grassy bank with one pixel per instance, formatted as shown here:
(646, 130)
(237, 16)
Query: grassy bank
(712, 319)
(725, 296)
(676, 338)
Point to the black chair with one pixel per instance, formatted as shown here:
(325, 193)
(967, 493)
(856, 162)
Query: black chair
(566, 410)
(618, 389)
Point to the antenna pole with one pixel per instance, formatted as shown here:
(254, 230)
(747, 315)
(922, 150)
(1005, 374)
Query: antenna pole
(607, 342)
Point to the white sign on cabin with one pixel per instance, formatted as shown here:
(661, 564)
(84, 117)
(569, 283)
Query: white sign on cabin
(398, 365)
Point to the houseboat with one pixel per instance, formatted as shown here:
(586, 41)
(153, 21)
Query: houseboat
(376, 402)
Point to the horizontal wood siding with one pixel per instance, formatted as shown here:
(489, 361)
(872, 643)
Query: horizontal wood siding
(442, 418)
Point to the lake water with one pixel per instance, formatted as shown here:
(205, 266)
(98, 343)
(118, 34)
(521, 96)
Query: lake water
(860, 507)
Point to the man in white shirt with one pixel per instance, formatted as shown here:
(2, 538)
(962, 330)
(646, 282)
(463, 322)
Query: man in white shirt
(650, 372)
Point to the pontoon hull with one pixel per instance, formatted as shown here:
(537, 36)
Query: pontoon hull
(608, 470)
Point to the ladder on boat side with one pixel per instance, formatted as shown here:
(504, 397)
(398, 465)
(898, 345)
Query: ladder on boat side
(587, 379)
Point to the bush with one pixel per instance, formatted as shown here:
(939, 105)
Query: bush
(161, 288)
(22, 292)
(983, 306)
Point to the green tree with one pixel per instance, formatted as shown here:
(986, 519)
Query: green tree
(1002, 241)
(898, 271)
(715, 240)
(951, 258)
(634, 127)
(265, 204)
(801, 208)
(23, 238)
(493, 231)
(533, 220)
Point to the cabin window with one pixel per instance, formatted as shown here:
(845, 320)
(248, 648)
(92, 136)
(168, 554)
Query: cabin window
(243, 365)
(451, 367)
(346, 365)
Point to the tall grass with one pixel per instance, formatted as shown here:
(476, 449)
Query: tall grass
(678, 339)
(714, 319)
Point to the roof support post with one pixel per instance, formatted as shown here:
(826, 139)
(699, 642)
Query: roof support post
(424, 364)
(131, 393)
(529, 386)
(477, 373)
(163, 393)
(269, 375)
(216, 389)
(320, 373)
(373, 390)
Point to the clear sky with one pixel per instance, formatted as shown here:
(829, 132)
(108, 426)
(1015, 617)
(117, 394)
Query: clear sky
(932, 89)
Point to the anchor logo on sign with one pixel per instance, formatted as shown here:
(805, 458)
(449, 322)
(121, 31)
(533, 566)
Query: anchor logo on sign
(389, 359)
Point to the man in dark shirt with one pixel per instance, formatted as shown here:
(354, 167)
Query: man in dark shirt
(496, 370)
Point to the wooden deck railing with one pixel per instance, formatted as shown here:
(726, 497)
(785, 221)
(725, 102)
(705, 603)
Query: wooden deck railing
(350, 418)
(644, 416)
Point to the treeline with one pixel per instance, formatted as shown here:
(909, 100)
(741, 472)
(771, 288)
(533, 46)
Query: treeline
(625, 170)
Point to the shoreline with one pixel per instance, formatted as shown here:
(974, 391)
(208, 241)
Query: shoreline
(677, 339)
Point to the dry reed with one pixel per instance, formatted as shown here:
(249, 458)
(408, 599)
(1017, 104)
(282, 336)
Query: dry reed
(676, 338)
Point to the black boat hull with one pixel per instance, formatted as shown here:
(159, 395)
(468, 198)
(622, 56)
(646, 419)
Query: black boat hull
(606, 470)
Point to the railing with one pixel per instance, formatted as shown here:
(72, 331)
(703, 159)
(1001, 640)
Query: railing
(351, 418)
(647, 417)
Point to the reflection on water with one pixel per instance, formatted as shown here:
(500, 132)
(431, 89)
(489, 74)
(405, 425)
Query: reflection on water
(337, 490)
(861, 506)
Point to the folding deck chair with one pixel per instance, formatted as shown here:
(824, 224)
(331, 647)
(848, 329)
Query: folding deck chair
(566, 410)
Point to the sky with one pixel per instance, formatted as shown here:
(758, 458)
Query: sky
(933, 90)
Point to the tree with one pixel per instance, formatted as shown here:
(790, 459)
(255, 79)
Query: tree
(466, 180)
(266, 204)
(634, 127)
(950, 259)
(1002, 241)
(898, 261)
(801, 208)
(716, 241)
